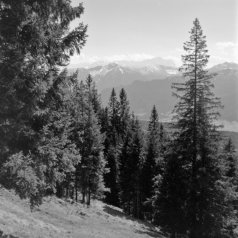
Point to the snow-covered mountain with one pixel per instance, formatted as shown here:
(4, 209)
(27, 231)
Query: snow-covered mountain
(144, 94)
(224, 66)
(126, 63)
(126, 72)
(148, 83)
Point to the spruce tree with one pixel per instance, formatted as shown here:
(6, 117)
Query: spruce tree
(77, 110)
(124, 114)
(112, 150)
(170, 194)
(196, 144)
(149, 170)
(131, 158)
(229, 166)
(94, 162)
(35, 41)
(230, 159)
(87, 136)
(125, 174)
(56, 149)
(113, 113)
(136, 158)
(196, 115)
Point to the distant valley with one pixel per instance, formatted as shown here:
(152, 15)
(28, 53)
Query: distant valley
(148, 83)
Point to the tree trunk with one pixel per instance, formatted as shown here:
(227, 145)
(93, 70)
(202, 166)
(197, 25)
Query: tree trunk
(173, 234)
(67, 191)
(76, 188)
(129, 207)
(72, 193)
(194, 162)
(138, 204)
(89, 197)
(76, 194)
(83, 196)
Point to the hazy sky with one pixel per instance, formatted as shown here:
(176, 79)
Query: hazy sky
(139, 29)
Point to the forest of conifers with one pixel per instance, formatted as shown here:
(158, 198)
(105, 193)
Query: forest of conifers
(56, 138)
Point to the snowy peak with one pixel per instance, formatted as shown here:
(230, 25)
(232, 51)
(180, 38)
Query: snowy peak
(143, 69)
(153, 62)
(122, 74)
(100, 71)
(115, 74)
(224, 66)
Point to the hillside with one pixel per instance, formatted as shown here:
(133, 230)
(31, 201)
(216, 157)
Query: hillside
(58, 218)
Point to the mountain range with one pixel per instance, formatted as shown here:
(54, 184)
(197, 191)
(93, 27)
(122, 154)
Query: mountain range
(148, 83)
(121, 73)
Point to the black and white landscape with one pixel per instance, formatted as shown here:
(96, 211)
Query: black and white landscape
(118, 119)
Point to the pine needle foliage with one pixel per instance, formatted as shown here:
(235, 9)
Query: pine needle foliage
(195, 149)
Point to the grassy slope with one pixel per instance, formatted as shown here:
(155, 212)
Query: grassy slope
(58, 218)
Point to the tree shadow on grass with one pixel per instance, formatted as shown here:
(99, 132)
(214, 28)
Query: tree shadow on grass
(147, 228)
(151, 233)
(114, 211)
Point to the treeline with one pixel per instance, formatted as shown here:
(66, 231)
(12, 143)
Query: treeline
(57, 138)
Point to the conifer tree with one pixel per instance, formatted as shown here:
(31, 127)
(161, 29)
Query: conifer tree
(197, 112)
(149, 170)
(96, 100)
(77, 110)
(56, 148)
(231, 160)
(89, 141)
(94, 162)
(131, 158)
(125, 173)
(112, 150)
(124, 114)
(196, 146)
(229, 167)
(113, 113)
(170, 193)
(35, 41)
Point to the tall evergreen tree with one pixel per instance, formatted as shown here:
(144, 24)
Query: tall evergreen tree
(229, 166)
(94, 162)
(150, 170)
(196, 142)
(131, 158)
(35, 41)
(78, 110)
(56, 148)
(170, 194)
(112, 150)
(124, 114)
(89, 141)
(231, 160)
(114, 119)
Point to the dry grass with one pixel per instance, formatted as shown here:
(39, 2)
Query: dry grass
(58, 218)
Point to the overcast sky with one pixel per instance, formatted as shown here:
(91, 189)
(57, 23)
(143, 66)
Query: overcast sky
(140, 29)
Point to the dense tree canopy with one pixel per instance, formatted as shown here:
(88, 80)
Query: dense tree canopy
(35, 41)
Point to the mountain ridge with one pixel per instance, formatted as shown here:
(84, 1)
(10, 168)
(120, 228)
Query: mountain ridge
(118, 74)
(149, 85)
(115, 74)
(144, 94)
